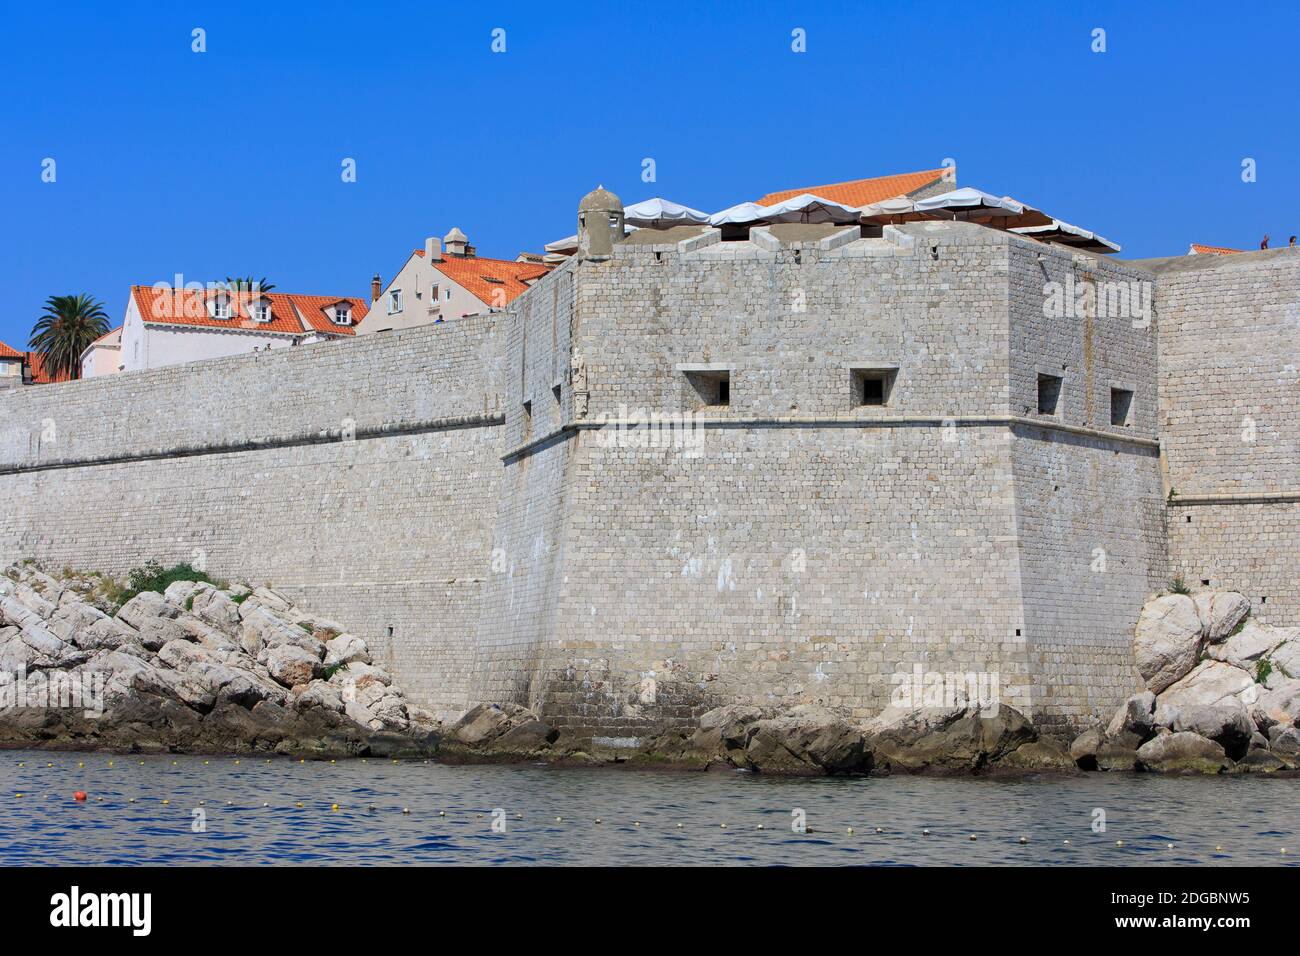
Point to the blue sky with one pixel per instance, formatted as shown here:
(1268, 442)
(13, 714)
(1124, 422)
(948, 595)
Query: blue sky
(228, 162)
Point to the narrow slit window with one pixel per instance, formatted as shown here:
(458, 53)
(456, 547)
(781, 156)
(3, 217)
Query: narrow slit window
(1049, 394)
(528, 420)
(1121, 406)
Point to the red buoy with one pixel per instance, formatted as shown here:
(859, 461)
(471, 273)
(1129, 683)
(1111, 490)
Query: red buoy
(79, 796)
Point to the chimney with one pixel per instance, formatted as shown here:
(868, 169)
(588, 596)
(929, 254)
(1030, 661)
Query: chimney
(457, 242)
(433, 249)
(376, 288)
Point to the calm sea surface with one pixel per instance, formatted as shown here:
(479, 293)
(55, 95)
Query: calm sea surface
(250, 814)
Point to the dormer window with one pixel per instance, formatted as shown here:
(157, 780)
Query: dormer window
(343, 314)
(260, 310)
(221, 307)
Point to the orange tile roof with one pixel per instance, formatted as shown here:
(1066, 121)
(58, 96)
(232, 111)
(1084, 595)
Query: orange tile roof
(36, 363)
(290, 313)
(860, 192)
(7, 353)
(484, 277)
(1201, 250)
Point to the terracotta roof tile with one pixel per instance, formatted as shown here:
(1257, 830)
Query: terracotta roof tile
(7, 353)
(290, 313)
(1201, 250)
(489, 278)
(860, 192)
(36, 362)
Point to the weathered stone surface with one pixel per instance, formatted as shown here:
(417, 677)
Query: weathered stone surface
(807, 739)
(1284, 739)
(191, 687)
(346, 649)
(947, 739)
(1228, 726)
(1040, 755)
(1167, 640)
(1136, 716)
(1246, 647)
(1220, 612)
(291, 665)
(1210, 684)
(1182, 753)
(1278, 705)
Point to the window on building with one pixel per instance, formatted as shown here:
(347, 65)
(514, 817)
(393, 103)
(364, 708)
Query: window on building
(342, 315)
(262, 312)
(712, 386)
(1049, 394)
(528, 420)
(394, 301)
(448, 295)
(221, 307)
(1121, 406)
(872, 386)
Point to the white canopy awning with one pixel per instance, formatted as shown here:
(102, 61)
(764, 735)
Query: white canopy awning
(750, 212)
(659, 213)
(1069, 235)
(967, 199)
(805, 207)
(569, 244)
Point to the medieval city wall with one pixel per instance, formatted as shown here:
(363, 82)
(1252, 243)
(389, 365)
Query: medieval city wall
(1230, 423)
(799, 546)
(1089, 504)
(359, 477)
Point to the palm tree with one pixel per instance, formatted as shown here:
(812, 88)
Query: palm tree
(65, 330)
(249, 284)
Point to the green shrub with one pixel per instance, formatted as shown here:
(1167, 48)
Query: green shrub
(333, 669)
(154, 577)
(1263, 667)
(1179, 586)
(241, 598)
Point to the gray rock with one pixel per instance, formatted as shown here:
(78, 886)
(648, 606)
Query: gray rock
(1284, 739)
(1230, 727)
(1247, 646)
(216, 609)
(346, 649)
(1136, 716)
(947, 738)
(1167, 640)
(291, 665)
(806, 739)
(484, 723)
(1220, 612)
(320, 694)
(1210, 684)
(1278, 705)
(1183, 752)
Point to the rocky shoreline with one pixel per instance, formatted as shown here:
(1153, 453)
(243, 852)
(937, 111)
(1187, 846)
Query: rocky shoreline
(207, 669)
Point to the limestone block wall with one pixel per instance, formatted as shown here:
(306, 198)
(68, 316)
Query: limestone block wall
(359, 476)
(1089, 502)
(802, 546)
(1230, 423)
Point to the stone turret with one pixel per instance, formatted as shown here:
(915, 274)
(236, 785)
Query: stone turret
(600, 224)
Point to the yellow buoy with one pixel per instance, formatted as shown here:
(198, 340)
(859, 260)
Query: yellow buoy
(17, 794)
(850, 831)
(334, 806)
(166, 803)
(298, 805)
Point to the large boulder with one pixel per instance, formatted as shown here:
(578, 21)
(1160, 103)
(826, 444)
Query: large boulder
(1228, 726)
(956, 738)
(1284, 661)
(807, 739)
(1167, 640)
(1278, 705)
(346, 649)
(1210, 684)
(1183, 752)
(726, 728)
(1220, 612)
(484, 723)
(153, 618)
(216, 608)
(1135, 716)
(261, 630)
(290, 665)
(1244, 648)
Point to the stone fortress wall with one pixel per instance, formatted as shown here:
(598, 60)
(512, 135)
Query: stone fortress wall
(359, 477)
(1230, 423)
(482, 502)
